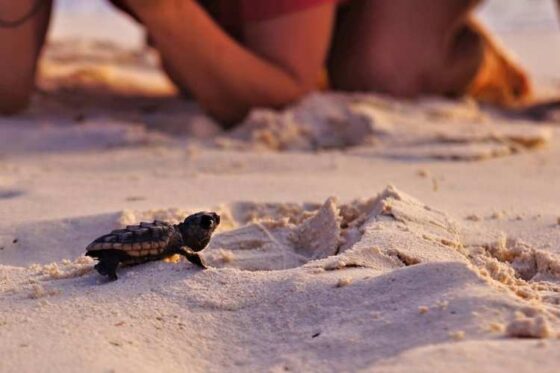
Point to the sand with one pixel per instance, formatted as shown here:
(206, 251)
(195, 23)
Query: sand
(411, 284)
(359, 232)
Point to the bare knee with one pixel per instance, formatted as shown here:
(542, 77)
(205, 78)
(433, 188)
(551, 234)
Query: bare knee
(412, 70)
(390, 70)
(19, 50)
(415, 48)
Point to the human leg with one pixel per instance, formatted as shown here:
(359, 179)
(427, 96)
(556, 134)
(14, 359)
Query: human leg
(20, 47)
(411, 47)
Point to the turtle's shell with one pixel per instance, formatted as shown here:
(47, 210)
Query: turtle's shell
(137, 240)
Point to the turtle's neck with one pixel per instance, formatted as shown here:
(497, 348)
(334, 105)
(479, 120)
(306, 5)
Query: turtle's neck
(177, 235)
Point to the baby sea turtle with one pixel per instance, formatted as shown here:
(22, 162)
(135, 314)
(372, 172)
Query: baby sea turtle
(137, 244)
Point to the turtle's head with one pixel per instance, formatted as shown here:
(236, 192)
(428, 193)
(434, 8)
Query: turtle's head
(197, 229)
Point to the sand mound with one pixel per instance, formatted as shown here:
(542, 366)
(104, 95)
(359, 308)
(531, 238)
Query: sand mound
(103, 86)
(337, 286)
(383, 127)
(389, 231)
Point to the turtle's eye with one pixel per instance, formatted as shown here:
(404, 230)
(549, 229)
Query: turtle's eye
(206, 222)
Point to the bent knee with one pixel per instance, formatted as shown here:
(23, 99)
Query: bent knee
(408, 71)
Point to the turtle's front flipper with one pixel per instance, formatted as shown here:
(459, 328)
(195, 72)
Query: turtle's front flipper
(107, 266)
(192, 257)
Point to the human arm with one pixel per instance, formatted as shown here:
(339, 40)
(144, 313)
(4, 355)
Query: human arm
(278, 62)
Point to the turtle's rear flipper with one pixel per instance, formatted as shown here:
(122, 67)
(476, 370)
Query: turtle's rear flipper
(107, 266)
(192, 257)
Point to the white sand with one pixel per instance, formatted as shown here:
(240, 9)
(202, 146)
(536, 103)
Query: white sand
(317, 265)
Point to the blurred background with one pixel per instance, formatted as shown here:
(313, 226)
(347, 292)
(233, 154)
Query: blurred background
(529, 28)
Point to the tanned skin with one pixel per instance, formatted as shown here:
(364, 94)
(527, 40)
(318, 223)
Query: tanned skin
(19, 50)
(228, 78)
(368, 45)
